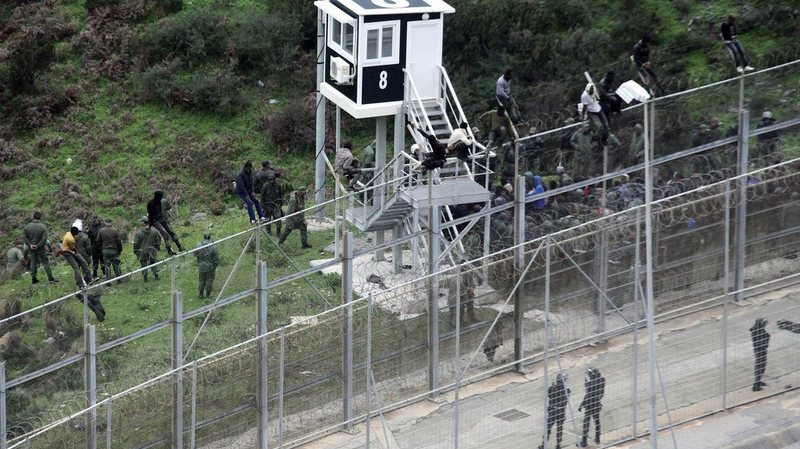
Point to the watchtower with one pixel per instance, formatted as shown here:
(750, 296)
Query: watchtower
(379, 59)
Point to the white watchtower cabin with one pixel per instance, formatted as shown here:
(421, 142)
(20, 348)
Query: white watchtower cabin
(383, 58)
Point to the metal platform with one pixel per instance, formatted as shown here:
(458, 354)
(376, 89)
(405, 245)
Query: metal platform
(450, 192)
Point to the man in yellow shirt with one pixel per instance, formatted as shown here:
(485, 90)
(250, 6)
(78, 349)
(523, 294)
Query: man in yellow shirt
(70, 252)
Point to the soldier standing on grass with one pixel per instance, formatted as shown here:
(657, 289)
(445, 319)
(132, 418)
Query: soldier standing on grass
(207, 263)
(35, 239)
(97, 250)
(146, 244)
(166, 206)
(272, 199)
(111, 244)
(297, 203)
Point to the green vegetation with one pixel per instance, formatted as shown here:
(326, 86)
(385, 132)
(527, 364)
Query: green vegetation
(104, 101)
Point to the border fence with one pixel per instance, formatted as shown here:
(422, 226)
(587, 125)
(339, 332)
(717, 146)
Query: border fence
(543, 284)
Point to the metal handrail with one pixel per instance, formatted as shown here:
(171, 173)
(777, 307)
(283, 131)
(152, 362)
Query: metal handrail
(417, 99)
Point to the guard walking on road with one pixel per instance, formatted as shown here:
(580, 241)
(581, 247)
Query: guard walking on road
(557, 397)
(595, 386)
(760, 338)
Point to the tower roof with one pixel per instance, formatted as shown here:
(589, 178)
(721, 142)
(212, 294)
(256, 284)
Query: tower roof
(383, 7)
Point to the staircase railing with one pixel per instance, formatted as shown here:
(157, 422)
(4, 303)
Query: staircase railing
(453, 105)
(415, 105)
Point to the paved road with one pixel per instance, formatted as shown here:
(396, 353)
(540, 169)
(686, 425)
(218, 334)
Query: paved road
(507, 411)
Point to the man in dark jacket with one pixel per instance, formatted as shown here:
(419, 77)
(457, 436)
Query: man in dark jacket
(595, 386)
(760, 338)
(207, 263)
(297, 204)
(155, 219)
(146, 244)
(437, 157)
(35, 239)
(244, 188)
(97, 251)
(272, 199)
(166, 206)
(609, 100)
(728, 33)
(557, 397)
(641, 58)
(111, 244)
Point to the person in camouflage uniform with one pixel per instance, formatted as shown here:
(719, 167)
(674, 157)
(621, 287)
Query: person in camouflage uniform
(97, 250)
(297, 200)
(111, 244)
(166, 206)
(146, 244)
(35, 239)
(84, 246)
(207, 263)
(469, 280)
(272, 200)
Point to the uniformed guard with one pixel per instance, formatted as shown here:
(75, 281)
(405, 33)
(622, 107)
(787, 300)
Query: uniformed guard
(207, 263)
(35, 239)
(595, 386)
(272, 199)
(557, 397)
(760, 338)
(111, 244)
(146, 244)
(297, 200)
(97, 250)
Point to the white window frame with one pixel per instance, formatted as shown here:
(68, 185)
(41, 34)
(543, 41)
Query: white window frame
(379, 26)
(340, 48)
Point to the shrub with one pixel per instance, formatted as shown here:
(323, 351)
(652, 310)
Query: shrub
(210, 92)
(264, 41)
(28, 44)
(192, 36)
(292, 128)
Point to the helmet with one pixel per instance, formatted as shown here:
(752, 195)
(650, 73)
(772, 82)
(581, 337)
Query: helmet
(414, 148)
(767, 114)
(561, 378)
(593, 372)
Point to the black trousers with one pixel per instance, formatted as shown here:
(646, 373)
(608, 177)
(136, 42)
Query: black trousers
(588, 416)
(761, 365)
(557, 419)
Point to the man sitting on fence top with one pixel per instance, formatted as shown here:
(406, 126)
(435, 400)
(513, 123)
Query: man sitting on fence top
(503, 95)
(728, 33)
(460, 142)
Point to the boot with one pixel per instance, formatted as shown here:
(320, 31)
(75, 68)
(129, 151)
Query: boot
(34, 280)
(583, 442)
(208, 293)
(306, 246)
(178, 244)
(170, 251)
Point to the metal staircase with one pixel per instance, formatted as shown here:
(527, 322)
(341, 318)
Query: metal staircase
(390, 198)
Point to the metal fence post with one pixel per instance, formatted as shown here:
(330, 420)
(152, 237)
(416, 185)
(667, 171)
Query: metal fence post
(433, 299)
(726, 280)
(636, 301)
(519, 262)
(741, 206)
(457, 355)
(177, 361)
(109, 416)
(601, 257)
(379, 196)
(369, 372)
(263, 390)
(319, 136)
(546, 333)
(648, 296)
(347, 331)
(193, 420)
(281, 382)
(3, 411)
(90, 383)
